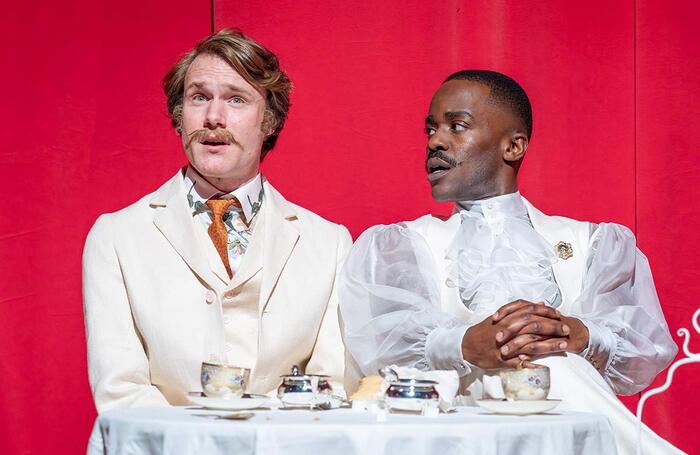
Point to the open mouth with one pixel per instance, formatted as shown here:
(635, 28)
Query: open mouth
(214, 142)
(437, 168)
(436, 165)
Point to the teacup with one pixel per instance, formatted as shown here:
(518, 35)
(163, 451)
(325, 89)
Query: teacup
(223, 381)
(525, 384)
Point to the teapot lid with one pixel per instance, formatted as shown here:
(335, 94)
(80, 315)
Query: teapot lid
(297, 375)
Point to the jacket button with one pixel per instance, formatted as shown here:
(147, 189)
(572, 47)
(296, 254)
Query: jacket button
(229, 295)
(210, 297)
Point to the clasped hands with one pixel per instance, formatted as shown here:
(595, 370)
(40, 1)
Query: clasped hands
(522, 331)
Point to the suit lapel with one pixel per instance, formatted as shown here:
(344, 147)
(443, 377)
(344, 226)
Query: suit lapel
(173, 219)
(281, 236)
(567, 272)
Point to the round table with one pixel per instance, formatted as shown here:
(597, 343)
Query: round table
(469, 430)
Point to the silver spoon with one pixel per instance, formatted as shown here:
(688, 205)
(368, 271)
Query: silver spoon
(234, 416)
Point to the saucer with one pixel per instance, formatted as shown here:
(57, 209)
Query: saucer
(234, 404)
(409, 404)
(519, 408)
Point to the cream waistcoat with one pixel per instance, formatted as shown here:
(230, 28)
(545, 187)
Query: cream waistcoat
(239, 298)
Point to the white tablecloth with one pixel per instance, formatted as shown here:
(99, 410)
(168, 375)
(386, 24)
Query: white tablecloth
(183, 430)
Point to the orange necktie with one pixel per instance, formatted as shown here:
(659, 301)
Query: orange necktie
(217, 229)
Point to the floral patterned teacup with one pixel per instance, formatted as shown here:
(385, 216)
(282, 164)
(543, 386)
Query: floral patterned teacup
(221, 381)
(524, 384)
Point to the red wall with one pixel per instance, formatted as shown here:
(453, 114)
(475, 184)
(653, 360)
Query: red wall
(668, 169)
(85, 132)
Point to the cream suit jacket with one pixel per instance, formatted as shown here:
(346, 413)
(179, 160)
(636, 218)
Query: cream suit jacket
(153, 303)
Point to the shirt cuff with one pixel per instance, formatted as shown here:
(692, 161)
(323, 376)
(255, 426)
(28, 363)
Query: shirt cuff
(601, 345)
(443, 350)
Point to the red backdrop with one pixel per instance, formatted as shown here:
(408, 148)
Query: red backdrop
(614, 87)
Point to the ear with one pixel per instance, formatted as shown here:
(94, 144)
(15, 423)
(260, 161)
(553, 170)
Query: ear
(268, 123)
(177, 119)
(516, 146)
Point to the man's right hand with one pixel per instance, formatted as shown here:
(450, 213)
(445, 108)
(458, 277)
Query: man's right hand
(536, 327)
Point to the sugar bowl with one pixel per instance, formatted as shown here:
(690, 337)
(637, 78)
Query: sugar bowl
(299, 390)
(412, 395)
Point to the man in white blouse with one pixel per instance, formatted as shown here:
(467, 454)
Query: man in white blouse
(500, 284)
(215, 265)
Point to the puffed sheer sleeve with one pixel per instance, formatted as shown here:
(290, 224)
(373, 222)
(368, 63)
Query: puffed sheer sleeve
(629, 338)
(390, 304)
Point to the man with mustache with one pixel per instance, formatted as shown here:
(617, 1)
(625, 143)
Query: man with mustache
(500, 284)
(215, 265)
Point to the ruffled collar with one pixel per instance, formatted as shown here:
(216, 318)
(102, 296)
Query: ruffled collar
(497, 256)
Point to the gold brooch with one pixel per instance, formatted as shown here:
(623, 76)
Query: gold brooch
(564, 250)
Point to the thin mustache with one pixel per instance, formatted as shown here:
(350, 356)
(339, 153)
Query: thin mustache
(219, 133)
(441, 155)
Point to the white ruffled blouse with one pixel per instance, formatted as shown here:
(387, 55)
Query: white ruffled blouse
(391, 293)
(497, 256)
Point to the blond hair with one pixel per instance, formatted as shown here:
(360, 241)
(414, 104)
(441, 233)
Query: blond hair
(257, 65)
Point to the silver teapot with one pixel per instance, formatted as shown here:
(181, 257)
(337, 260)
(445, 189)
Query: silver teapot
(301, 390)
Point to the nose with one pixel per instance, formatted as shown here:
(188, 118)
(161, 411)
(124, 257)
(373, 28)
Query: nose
(216, 115)
(437, 141)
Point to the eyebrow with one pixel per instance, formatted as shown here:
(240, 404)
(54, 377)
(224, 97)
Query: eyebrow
(231, 87)
(455, 114)
(195, 85)
(450, 115)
